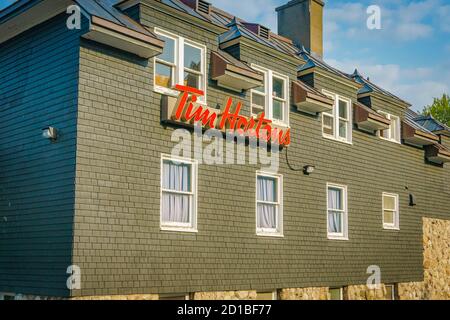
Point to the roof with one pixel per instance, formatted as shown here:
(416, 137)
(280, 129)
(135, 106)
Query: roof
(99, 8)
(431, 123)
(315, 61)
(105, 9)
(369, 87)
(410, 119)
(236, 27)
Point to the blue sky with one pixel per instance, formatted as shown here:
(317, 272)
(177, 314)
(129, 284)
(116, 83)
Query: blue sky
(409, 56)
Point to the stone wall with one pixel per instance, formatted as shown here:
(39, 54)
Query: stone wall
(436, 284)
(304, 294)
(226, 295)
(363, 292)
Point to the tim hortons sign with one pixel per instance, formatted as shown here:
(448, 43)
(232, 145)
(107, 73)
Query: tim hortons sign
(186, 111)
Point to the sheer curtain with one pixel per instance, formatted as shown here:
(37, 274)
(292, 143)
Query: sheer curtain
(176, 183)
(267, 213)
(334, 217)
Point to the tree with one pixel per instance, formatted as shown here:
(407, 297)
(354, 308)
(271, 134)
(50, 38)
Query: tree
(440, 109)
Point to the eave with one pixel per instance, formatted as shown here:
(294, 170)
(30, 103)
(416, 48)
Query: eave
(309, 101)
(437, 154)
(417, 137)
(369, 120)
(32, 16)
(117, 36)
(231, 76)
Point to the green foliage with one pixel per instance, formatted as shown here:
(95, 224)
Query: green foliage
(440, 109)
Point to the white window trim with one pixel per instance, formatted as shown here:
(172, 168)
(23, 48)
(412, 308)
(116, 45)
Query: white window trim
(181, 227)
(179, 65)
(268, 94)
(335, 97)
(344, 235)
(279, 231)
(393, 291)
(397, 120)
(396, 225)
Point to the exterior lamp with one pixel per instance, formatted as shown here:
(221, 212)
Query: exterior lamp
(308, 170)
(412, 200)
(50, 133)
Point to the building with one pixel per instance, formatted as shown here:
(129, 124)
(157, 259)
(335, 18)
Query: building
(91, 195)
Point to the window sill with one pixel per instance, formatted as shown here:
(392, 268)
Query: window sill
(175, 94)
(269, 235)
(336, 140)
(391, 228)
(390, 140)
(179, 229)
(338, 238)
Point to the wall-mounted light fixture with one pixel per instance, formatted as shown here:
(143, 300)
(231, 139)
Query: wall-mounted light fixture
(307, 170)
(412, 200)
(50, 133)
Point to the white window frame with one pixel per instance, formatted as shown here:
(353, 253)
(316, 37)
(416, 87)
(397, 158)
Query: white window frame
(176, 226)
(344, 234)
(392, 289)
(273, 293)
(398, 131)
(179, 65)
(335, 116)
(396, 224)
(269, 75)
(278, 232)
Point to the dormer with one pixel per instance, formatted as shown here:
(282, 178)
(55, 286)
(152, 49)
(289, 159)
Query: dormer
(200, 6)
(372, 95)
(258, 29)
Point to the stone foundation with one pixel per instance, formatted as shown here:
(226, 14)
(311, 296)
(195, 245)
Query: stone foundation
(304, 294)
(363, 292)
(436, 284)
(225, 295)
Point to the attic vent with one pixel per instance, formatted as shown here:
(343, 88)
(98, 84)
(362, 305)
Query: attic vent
(264, 32)
(203, 6)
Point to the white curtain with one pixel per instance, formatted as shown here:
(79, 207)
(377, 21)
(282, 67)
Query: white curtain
(267, 213)
(334, 217)
(176, 178)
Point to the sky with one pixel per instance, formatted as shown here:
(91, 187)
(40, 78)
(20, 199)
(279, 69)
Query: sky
(409, 55)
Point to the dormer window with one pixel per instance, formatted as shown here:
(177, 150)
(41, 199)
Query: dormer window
(393, 133)
(182, 62)
(272, 97)
(337, 124)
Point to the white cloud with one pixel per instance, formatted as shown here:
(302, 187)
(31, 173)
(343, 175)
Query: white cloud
(417, 85)
(251, 11)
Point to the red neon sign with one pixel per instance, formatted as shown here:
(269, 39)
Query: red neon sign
(259, 127)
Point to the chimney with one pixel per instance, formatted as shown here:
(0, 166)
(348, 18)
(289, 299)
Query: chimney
(302, 22)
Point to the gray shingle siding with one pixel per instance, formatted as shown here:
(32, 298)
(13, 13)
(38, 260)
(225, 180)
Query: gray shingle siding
(118, 242)
(107, 166)
(38, 76)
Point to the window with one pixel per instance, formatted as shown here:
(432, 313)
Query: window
(337, 125)
(337, 218)
(391, 211)
(272, 97)
(174, 297)
(178, 194)
(390, 292)
(336, 293)
(269, 205)
(266, 296)
(182, 62)
(393, 133)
